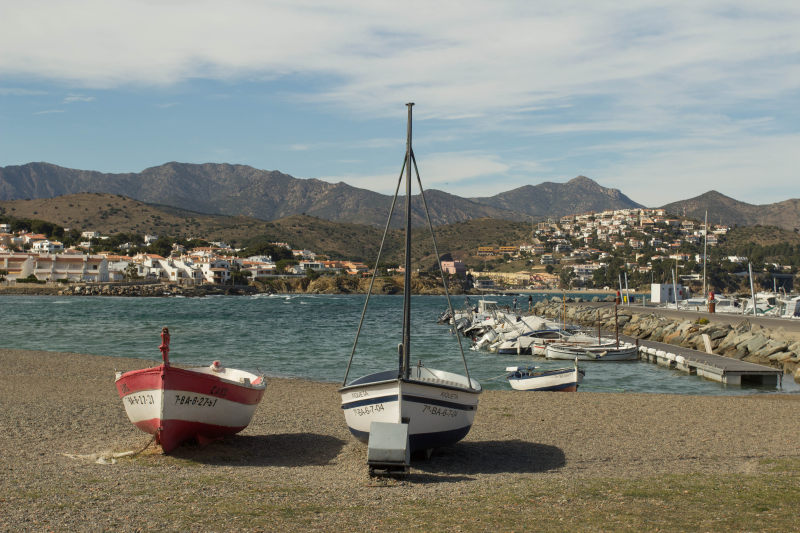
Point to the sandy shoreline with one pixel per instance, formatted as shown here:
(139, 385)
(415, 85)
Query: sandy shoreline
(298, 449)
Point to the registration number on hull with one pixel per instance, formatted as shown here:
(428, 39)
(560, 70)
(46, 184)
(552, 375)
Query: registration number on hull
(195, 401)
(369, 409)
(439, 411)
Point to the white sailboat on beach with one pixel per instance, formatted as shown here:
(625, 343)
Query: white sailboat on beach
(437, 406)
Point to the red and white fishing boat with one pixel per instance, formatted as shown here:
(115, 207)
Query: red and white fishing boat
(180, 404)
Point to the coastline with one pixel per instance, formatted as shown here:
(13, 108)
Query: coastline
(297, 467)
(159, 289)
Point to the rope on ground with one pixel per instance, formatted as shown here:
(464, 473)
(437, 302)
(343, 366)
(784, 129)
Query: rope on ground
(109, 458)
(134, 454)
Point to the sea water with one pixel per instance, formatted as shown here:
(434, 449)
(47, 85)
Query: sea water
(302, 336)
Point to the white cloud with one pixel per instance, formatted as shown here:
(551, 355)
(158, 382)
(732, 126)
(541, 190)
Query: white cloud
(72, 98)
(753, 170)
(461, 58)
(48, 111)
(645, 89)
(451, 168)
(438, 171)
(17, 91)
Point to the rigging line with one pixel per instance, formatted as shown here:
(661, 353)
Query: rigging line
(441, 270)
(495, 378)
(374, 273)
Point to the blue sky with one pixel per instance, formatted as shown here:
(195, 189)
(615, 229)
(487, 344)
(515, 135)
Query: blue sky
(662, 100)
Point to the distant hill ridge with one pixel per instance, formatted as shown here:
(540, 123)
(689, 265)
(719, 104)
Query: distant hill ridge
(226, 189)
(578, 195)
(725, 210)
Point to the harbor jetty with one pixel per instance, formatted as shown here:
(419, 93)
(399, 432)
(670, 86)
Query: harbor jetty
(735, 337)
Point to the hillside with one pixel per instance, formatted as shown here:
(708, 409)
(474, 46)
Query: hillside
(725, 210)
(761, 235)
(110, 214)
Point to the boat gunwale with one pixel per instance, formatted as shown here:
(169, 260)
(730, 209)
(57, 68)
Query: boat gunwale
(415, 382)
(162, 368)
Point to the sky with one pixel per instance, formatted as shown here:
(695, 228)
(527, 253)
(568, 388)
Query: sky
(661, 100)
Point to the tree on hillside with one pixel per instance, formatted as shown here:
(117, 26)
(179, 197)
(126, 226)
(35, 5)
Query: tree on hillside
(161, 246)
(262, 246)
(131, 272)
(283, 264)
(566, 277)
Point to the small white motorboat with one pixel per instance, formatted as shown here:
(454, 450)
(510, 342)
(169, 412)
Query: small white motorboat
(532, 378)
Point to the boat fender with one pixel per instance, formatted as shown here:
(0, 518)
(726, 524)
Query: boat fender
(216, 367)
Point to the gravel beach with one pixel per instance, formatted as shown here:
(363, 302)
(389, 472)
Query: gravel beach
(297, 467)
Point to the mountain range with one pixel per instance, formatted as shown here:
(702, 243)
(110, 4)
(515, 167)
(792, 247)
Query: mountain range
(226, 189)
(240, 190)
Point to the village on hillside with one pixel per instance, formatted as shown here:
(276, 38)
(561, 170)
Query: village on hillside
(567, 253)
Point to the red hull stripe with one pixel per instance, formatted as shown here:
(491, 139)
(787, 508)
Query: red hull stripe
(178, 379)
(175, 432)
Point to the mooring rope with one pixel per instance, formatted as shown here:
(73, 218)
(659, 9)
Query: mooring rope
(152, 439)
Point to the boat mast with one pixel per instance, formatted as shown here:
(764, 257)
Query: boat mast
(705, 252)
(405, 368)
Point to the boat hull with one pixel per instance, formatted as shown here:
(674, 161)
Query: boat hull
(559, 380)
(437, 406)
(177, 405)
(625, 352)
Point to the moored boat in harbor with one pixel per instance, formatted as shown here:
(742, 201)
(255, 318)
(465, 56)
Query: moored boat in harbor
(606, 351)
(532, 378)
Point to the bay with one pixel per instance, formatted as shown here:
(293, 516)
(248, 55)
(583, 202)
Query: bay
(303, 336)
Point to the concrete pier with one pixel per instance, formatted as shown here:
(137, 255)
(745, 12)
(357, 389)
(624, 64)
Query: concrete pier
(714, 367)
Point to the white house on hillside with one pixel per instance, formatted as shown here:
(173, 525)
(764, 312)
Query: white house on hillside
(47, 246)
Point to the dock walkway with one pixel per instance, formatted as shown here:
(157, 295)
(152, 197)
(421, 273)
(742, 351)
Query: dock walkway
(715, 367)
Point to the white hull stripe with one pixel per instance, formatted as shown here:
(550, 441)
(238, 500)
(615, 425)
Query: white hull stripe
(186, 406)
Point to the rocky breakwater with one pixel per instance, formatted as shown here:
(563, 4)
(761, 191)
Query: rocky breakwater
(152, 289)
(744, 341)
(345, 284)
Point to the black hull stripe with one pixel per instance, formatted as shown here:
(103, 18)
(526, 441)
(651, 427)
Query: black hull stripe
(553, 388)
(410, 398)
(440, 403)
(370, 401)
